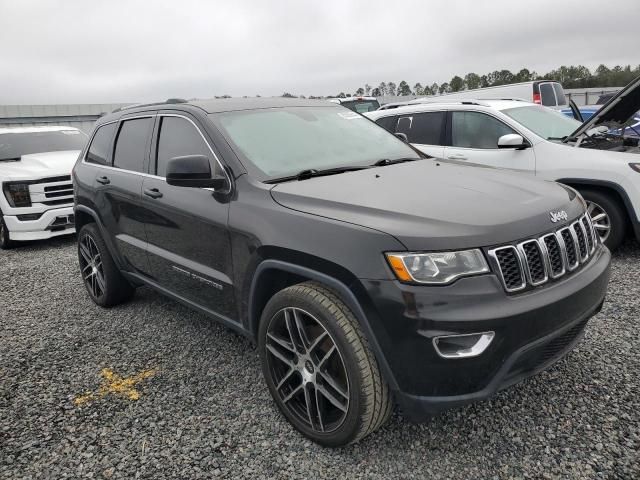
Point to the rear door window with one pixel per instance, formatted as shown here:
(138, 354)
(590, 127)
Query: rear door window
(547, 95)
(100, 145)
(476, 130)
(423, 128)
(131, 145)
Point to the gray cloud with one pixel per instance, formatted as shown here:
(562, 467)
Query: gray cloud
(73, 51)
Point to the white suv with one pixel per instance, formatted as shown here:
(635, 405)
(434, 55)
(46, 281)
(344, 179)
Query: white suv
(35, 174)
(596, 158)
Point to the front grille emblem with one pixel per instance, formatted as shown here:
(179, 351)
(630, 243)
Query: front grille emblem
(559, 215)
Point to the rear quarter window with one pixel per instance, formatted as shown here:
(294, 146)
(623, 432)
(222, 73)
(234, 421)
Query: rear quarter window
(388, 123)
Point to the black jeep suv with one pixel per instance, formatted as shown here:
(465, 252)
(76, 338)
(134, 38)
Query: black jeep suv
(368, 274)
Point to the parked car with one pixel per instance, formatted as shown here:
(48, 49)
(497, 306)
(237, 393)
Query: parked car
(542, 92)
(367, 273)
(530, 138)
(585, 112)
(358, 104)
(35, 173)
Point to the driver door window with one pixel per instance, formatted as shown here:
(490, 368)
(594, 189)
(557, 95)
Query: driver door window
(474, 139)
(476, 130)
(178, 137)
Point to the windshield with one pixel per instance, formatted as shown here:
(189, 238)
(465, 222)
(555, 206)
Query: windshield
(543, 121)
(284, 141)
(361, 106)
(14, 145)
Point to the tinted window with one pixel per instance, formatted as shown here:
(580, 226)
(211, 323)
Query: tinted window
(476, 130)
(388, 123)
(361, 106)
(99, 149)
(547, 96)
(178, 137)
(425, 128)
(559, 94)
(131, 145)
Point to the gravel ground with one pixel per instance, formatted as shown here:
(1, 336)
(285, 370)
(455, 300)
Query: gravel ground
(204, 412)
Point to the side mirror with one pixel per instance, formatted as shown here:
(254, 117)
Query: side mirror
(514, 141)
(193, 171)
(402, 136)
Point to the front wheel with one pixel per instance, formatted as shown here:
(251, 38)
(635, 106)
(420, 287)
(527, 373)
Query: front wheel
(5, 240)
(319, 367)
(104, 282)
(608, 217)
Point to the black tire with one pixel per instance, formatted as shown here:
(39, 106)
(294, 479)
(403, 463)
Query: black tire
(365, 403)
(5, 238)
(104, 282)
(614, 210)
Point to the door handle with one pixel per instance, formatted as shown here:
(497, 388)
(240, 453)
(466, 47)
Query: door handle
(103, 180)
(457, 156)
(153, 193)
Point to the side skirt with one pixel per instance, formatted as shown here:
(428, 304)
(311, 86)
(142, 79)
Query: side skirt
(227, 322)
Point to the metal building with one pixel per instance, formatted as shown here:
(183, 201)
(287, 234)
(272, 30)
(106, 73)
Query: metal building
(81, 116)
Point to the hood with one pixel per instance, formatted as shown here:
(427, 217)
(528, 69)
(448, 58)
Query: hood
(616, 112)
(39, 165)
(435, 205)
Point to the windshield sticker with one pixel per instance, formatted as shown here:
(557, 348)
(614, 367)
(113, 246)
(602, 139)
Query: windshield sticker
(70, 132)
(350, 115)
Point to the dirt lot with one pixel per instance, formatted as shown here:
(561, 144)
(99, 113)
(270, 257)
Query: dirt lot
(153, 390)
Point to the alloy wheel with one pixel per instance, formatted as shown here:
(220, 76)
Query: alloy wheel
(91, 266)
(307, 370)
(600, 220)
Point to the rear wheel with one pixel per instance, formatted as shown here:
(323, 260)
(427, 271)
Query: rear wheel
(5, 240)
(319, 367)
(608, 217)
(104, 282)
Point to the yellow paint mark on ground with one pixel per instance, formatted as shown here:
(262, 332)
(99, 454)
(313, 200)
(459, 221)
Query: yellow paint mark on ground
(116, 385)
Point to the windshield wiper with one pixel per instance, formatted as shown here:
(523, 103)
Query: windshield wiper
(386, 161)
(312, 172)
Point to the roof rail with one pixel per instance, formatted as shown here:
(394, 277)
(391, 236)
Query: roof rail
(460, 101)
(168, 101)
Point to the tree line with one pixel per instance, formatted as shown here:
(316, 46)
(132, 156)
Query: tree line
(570, 77)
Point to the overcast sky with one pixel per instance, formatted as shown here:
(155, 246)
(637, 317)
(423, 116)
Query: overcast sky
(79, 51)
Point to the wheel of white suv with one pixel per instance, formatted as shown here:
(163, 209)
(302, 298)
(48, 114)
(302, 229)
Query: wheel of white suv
(607, 216)
(319, 367)
(5, 240)
(104, 282)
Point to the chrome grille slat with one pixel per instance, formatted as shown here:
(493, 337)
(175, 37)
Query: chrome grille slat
(536, 261)
(581, 238)
(511, 268)
(555, 255)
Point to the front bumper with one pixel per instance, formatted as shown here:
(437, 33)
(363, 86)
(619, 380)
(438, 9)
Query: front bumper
(52, 223)
(532, 331)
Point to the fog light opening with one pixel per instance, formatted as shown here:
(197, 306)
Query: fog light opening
(463, 346)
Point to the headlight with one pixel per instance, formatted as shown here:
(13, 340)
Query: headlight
(17, 194)
(437, 268)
